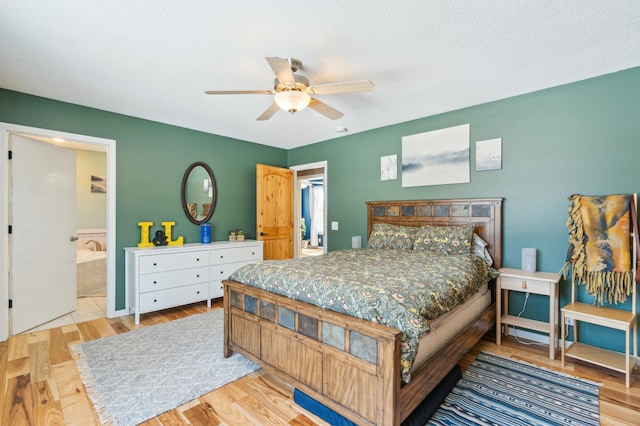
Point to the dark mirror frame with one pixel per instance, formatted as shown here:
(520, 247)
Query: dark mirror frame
(183, 192)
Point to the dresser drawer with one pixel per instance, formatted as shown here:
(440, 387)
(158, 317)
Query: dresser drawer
(236, 254)
(169, 262)
(216, 289)
(525, 285)
(154, 300)
(179, 277)
(222, 272)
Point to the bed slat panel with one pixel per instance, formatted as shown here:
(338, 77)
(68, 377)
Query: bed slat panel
(246, 334)
(293, 358)
(351, 387)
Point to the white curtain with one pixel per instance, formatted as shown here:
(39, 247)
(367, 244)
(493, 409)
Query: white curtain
(316, 208)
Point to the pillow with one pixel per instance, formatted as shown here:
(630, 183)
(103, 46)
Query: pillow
(385, 236)
(479, 248)
(444, 240)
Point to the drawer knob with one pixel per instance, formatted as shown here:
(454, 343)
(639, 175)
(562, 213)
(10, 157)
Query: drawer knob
(155, 282)
(198, 276)
(155, 264)
(524, 284)
(155, 300)
(198, 292)
(197, 259)
(221, 257)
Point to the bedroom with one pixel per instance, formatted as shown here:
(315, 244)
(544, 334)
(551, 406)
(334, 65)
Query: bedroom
(553, 141)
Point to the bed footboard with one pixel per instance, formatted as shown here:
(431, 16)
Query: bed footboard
(348, 364)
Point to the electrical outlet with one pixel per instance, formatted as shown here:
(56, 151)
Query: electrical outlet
(568, 321)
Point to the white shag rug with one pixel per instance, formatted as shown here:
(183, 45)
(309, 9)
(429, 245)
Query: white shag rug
(134, 376)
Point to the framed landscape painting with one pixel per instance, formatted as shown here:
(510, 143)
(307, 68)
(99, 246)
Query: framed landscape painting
(436, 158)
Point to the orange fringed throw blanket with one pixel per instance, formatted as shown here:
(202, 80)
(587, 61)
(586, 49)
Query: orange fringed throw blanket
(599, 245)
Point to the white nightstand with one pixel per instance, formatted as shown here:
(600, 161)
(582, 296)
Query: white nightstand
(544, 283)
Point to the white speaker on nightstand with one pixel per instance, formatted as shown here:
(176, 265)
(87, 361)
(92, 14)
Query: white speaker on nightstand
(528, 260)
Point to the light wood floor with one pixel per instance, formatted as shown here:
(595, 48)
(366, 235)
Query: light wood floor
(41, 384)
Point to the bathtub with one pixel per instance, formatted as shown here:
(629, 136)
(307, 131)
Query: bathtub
(91, 265)
(85, 256)
(91, 272)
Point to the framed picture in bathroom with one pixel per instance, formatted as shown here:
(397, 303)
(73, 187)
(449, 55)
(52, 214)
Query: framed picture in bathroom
(99, 184)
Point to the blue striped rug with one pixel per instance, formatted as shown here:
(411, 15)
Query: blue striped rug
(500, 391)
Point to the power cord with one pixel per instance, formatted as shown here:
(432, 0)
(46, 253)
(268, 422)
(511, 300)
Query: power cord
(566, 329)
(515, 333)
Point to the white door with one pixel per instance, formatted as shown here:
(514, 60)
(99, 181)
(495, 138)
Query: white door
(42, 242)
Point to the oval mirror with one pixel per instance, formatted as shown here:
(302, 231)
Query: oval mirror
(198, 193)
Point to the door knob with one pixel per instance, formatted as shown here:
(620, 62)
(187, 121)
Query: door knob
(262, 234)
(73, 238)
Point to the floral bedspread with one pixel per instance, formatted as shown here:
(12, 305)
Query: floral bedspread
(403, 289)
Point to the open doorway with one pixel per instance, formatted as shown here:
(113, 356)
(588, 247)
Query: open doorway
(76, 142)
(310, 188)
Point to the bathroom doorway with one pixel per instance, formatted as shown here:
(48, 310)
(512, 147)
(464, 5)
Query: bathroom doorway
(80, 143)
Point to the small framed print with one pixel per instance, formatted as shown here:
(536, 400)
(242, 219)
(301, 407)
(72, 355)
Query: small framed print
(389, 167)
(489, 155)
(99, 184)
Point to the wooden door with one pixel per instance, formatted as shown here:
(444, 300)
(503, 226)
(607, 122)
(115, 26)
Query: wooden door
(274, 215)
(43, 248)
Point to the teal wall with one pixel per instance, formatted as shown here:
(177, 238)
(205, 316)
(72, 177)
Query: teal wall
(579, 138)
(151, 159)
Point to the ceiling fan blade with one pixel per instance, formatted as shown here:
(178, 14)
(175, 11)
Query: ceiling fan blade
(346, 87)
(239, 92)
(269, 112)
(325, 109)
(282, 69)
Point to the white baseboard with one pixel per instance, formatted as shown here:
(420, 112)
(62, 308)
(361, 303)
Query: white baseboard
(534, 337)
(123, 312)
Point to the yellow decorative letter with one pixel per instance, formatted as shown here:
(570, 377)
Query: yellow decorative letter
(167, 233)
(144, 234)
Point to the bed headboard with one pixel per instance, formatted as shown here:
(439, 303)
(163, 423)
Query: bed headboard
(484, 213)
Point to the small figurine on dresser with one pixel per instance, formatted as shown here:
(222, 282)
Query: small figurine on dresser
(160, 239)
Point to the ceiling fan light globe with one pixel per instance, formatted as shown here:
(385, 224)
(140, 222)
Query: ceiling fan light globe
(292, 100)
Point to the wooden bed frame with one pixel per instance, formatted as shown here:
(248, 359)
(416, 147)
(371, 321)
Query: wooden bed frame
(285, 336)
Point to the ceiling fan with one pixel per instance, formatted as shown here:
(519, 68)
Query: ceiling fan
(293, 92)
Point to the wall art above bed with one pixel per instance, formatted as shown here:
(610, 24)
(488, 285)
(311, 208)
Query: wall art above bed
(489, 155)
(389, 167)
(437, 157)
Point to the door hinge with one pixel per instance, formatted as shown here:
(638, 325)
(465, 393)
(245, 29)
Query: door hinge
(10, 303)
(10, 229)
(10, 155)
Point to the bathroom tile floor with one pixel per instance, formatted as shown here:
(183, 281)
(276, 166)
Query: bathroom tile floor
(87, 309)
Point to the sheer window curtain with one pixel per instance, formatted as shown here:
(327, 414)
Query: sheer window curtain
(316, 207)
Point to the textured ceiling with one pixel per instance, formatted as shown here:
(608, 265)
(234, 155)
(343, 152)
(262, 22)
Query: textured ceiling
(154, 59)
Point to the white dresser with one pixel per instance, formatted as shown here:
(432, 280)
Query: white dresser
(167, 276)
